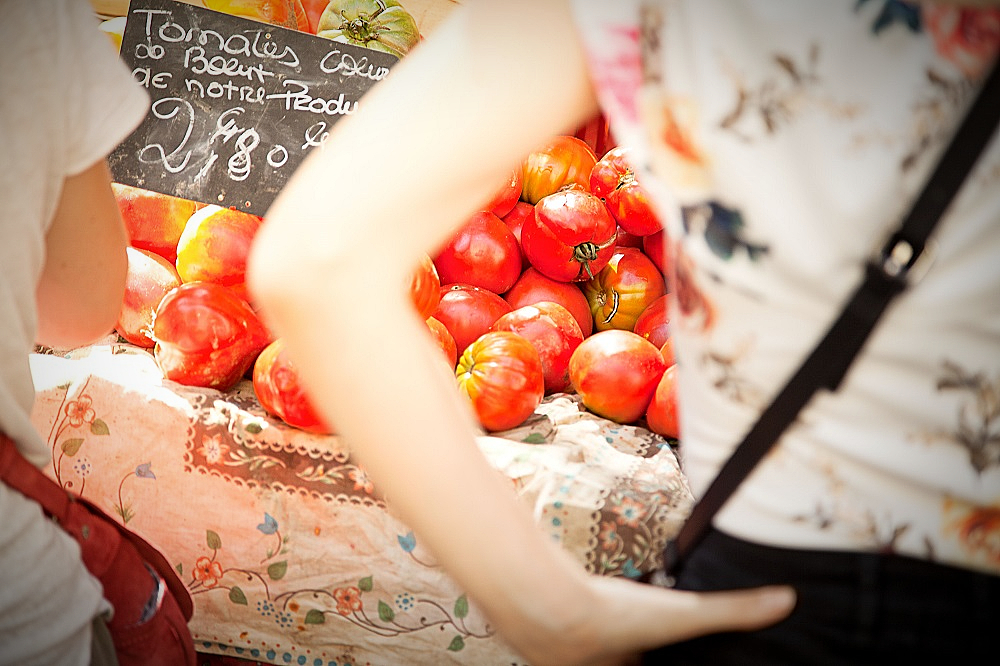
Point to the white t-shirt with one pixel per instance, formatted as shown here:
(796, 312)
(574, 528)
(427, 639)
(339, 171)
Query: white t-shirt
(789, 137)
(66, 100)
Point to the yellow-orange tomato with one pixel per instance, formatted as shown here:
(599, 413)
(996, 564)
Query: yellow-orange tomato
(562, 161)
(286, 13)
(624, 288)
(502, 376)
(214, 247)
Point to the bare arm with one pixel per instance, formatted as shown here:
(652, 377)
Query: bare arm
(329, 268)
(80, 291)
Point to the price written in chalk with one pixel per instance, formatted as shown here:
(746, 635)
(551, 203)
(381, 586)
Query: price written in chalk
(235, 104)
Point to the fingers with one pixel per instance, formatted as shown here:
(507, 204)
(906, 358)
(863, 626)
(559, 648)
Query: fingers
(639, 617)
(740, 610)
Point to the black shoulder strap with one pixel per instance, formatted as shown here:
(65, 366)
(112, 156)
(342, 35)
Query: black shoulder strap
(885, 277)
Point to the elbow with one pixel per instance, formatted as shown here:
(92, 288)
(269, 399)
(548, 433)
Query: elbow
(285, 278)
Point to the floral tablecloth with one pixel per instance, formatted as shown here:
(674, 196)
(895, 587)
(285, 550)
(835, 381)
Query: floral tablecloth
(290, 553)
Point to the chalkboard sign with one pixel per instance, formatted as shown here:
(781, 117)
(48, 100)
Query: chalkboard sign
(236, 104)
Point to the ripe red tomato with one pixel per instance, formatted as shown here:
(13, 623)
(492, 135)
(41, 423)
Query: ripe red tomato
(483, 252)
(533, 287)
(149, 278)
(661, 415)
(206, 335)
(623, 289)
(654, 322)
(597, 134)
(313, 10)
(553, 332)
(514, 220)
(654, 245)
(280, 392)
(502, 376)
(667, 352)
(154, 221)
(468, 311)
(570, 237)
(425, 287)
(625, 239)
(562, 161)
(613, 179)
(615, 373)
(508, 194)
(444, 340)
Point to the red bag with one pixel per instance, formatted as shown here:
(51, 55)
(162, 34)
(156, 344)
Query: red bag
(151, 604)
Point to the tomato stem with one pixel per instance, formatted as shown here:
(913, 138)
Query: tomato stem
(587, 251)
(615, 300)
(361, 28)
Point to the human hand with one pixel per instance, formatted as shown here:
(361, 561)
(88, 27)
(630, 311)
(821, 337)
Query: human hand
(627, 618)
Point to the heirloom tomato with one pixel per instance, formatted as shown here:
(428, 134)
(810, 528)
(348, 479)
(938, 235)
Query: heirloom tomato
(623, 289)
(533, 287)
(655, 247)
(661, 414)
(280, 392)
(508, 195)
(502, 375)
(483, 252)
(667, 352)
(206, 335)
(613, 180)
(571, 236)
(553, 332)
(654, 322)
(514, 220)
(615, 373)
(625, 239)
(468, 311)
(380, 25)
(150, 277)
(425, 287)
(444, 340)
(214, 247)
(154, 221)
(596, 133)
(314, 9)
(286, 13)
(565, 160)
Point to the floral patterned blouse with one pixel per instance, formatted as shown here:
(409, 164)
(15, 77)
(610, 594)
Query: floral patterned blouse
(787, 138)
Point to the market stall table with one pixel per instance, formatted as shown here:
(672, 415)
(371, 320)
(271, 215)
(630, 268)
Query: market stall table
(289, 551)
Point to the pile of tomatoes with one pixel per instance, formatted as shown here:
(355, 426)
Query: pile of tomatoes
(557, 285)
(567, 257)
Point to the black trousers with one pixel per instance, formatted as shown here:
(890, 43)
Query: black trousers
(852, 608)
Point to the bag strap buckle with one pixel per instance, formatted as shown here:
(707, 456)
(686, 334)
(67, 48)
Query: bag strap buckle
(901, 261)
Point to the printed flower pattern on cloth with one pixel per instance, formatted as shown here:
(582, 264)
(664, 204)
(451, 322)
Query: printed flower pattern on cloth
(213, 448)
(978, 530)
(967, 37)
(207, 572)
(284, 542)
(348, 600)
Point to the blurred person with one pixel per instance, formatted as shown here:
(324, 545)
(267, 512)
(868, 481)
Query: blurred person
(66, 100)
(783, 140)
